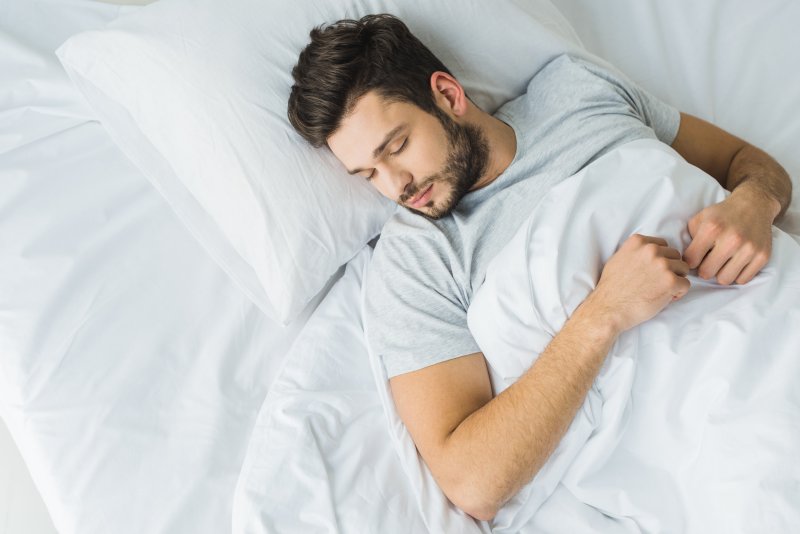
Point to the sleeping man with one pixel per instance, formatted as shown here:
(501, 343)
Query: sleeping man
(394, 115)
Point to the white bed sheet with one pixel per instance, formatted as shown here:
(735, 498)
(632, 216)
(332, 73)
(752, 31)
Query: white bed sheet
(320, 459)
(131, 367)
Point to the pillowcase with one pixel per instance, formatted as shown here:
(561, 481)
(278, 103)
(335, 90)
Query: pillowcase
(195, 93)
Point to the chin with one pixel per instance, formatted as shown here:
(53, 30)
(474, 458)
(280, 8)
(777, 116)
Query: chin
(436, 208)
(431, 211)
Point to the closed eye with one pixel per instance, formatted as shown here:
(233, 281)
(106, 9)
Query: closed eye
(402, 147)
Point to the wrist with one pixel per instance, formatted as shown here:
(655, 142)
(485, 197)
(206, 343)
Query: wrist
(601, 321)
(755, 196)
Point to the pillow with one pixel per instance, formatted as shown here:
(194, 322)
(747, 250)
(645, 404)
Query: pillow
(195, 93)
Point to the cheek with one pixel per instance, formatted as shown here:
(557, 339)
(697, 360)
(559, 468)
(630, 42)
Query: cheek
(425, 158)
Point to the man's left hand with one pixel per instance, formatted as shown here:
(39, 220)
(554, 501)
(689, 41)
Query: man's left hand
(731, 240)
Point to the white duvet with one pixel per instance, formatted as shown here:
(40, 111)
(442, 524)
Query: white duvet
(693, 424)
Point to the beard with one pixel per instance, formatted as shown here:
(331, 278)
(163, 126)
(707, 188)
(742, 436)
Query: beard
(467, 159)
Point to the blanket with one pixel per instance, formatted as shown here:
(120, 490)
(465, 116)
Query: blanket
(693, 423)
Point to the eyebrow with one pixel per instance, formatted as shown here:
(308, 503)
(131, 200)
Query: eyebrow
(386, 140)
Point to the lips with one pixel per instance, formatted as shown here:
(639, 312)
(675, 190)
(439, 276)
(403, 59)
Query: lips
(422, 198)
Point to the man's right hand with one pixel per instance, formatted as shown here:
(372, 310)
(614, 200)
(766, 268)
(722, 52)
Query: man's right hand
(638, 281)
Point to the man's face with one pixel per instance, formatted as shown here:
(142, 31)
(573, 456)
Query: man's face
(424, 162)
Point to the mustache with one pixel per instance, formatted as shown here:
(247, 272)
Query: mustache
(405, 197)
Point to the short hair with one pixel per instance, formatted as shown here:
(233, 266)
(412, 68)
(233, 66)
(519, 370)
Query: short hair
(349, 58)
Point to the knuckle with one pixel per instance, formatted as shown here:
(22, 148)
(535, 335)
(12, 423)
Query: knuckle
(748, 248)
(712, 227)
(735, 240)
(762, 257)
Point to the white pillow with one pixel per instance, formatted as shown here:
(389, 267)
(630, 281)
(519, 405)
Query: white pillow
(195, 92)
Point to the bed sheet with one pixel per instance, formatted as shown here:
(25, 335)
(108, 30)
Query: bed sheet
(320, 459)
(131, 367)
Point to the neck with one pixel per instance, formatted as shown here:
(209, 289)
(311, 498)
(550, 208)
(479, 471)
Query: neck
(502, 148)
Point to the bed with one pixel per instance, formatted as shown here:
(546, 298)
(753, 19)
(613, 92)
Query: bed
(146, 392)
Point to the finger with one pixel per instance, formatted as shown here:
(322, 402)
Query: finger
(679, 267)
(670, 253)
(734, 267)
(713, 262)
(698, 249)
(652, 239)
(693, 224)
(682, 287)
(723, 250)
(752, 269)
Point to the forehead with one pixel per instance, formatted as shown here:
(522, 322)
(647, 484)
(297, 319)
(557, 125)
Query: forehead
(365, 127)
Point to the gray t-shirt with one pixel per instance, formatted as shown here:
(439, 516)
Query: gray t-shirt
(423, 273)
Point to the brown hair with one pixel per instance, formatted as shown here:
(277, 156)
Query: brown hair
(347, 59)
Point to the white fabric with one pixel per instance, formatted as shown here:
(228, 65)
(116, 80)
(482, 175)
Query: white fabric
(320, 459)
(666, 438)
(131, 367)
(195, 93)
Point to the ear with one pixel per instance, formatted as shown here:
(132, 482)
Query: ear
(448, 93)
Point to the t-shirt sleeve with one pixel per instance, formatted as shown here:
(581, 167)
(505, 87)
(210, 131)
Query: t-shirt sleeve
(662, 117)
(414, 311)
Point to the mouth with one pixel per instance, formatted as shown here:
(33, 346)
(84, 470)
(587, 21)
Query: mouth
(422, 198)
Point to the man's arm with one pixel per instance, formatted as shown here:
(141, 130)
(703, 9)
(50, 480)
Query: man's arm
(482, 450)
(732, 240)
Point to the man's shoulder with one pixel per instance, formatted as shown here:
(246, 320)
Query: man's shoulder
(545, 93)
(410, 287)
(414, 245)
(561, 70)
(405, 228)
(404, 222)
(567, 66)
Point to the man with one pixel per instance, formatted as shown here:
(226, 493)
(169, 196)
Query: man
(393, 114)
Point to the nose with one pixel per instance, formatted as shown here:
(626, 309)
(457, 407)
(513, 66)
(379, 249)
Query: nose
(400, 183)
